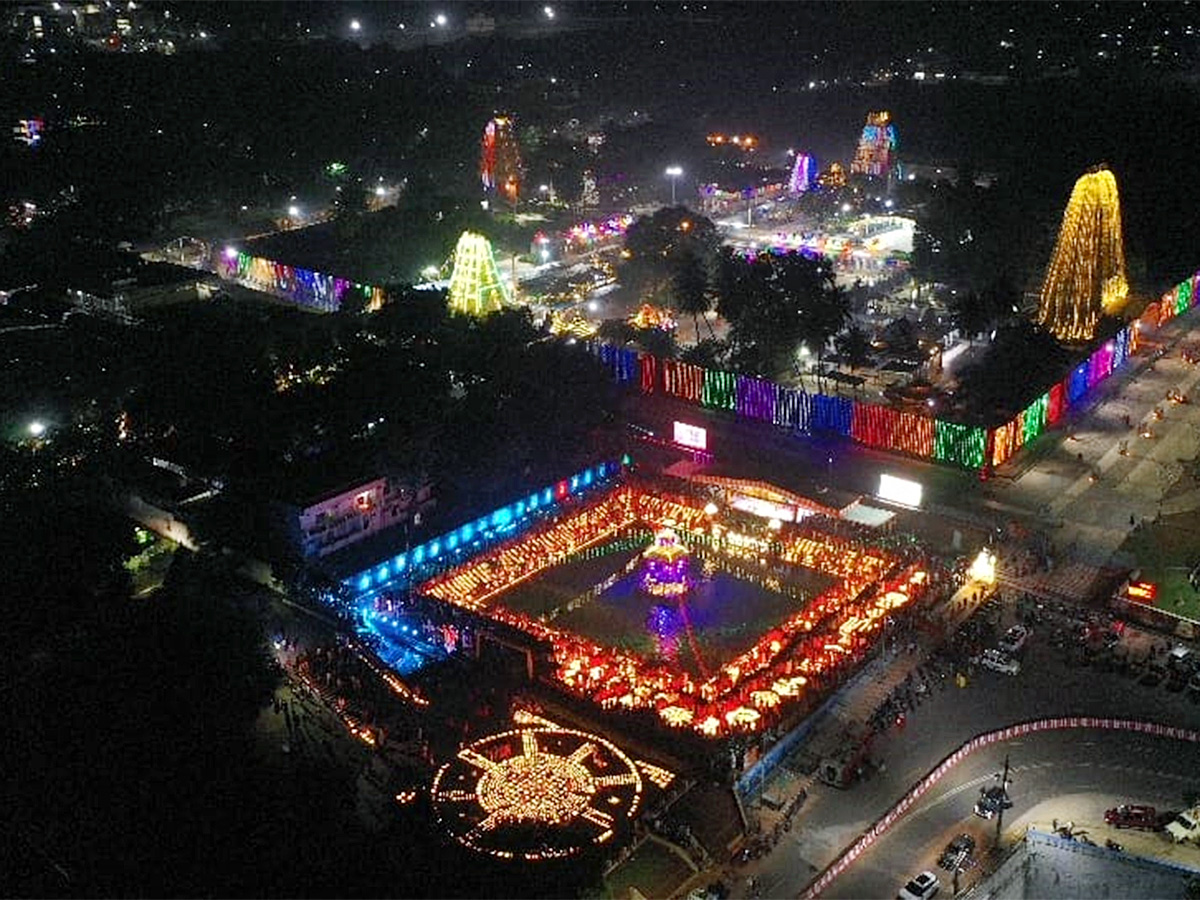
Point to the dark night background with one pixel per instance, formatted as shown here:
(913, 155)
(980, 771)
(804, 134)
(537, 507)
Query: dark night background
(127, 760)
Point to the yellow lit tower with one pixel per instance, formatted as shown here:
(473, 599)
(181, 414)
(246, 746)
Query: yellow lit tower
(475, 285)
(1086, 275)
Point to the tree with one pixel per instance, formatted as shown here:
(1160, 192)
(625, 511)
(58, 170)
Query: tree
(655, 244)
(691, 288)
(773, 303)
(969, 314)
(854, 346)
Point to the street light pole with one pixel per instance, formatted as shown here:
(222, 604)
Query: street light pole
(673, 172)
(1003, 799)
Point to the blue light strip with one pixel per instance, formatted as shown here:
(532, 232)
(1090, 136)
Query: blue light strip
(457, 546)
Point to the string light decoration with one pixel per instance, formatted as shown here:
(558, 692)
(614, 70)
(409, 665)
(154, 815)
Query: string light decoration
(476, 288)
(804, 174)
(665, 566)
(648, 317)
(863, 585)
(876, 153)
(1086, 275)
(500, 160)
(589, 194)
(537, 792)
(833, 177)
(303, 287)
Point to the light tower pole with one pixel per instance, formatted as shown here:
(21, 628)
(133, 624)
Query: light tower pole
(673, 172)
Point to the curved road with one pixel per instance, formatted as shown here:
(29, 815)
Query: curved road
(1072, 775)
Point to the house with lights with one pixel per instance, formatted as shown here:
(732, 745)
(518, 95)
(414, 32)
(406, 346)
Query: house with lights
(330, 520)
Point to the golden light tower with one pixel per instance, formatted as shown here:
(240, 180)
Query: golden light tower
(1086, 275)
(476, 288)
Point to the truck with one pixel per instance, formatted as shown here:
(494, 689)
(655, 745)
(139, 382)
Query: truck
(1185, 826)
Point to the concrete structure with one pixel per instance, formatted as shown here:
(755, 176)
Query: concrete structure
(329, 521)
(1046, 865)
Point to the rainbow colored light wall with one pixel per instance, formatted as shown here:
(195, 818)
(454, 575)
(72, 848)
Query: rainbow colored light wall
(303, 287)
(884, 427)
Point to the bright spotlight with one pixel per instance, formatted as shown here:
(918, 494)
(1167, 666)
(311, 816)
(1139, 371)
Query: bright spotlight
(983, 568)
(293, 211)
(440, 19)
(380, 190)
(549, 11)
(36, 428)
(355, 25)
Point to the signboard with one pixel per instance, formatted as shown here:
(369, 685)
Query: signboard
(899, 490)
(691, 436)
(764, 509)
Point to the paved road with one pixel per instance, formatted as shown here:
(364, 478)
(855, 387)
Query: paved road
(1048, 685)
(1064, 776)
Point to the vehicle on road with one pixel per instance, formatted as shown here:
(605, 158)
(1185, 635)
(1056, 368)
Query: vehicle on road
(1014, 639)
(1129, 815)
(1185, 826)
(957, 853)
(997, 662)
(922, 887)
(991, 801)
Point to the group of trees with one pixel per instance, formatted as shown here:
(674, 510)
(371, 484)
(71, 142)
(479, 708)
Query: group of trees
(774, 304)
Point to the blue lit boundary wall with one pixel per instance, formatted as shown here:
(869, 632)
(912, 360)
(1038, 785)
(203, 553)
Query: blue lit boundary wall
(459, 545)
(303, 287)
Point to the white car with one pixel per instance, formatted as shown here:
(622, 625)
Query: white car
(922, 887)
(1014, 639)
(998, 662)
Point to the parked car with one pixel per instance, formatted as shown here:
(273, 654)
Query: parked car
(1014, 639)
(922, 887)
(1129, 815)
(991, 801)
(1185, 826)
(997, 662)
(1180, 657)
(957, 852)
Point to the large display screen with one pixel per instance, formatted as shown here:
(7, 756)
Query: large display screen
(899, 490)
(691, 436)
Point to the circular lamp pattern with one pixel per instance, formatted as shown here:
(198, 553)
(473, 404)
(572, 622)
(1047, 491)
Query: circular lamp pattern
(536, 793)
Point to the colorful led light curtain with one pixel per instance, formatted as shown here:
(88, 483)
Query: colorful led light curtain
(962, 445)
(1183, 297)
(648, 371)
(756, 398)
(720, 390)
(881, 426)
(304, 287)
(1056, 405)
(793, 408)
(832, 414)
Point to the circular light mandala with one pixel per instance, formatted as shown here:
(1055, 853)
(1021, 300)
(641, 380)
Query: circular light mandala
(536, 793)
